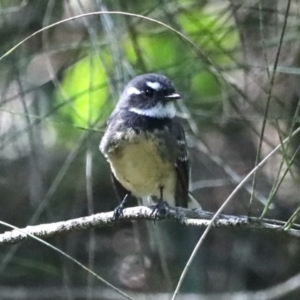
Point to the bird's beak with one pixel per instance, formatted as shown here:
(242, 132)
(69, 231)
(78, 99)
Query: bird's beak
(173, 96)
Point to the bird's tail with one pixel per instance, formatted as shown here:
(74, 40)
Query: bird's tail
(192, 202)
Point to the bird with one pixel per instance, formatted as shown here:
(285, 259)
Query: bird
(145, 145)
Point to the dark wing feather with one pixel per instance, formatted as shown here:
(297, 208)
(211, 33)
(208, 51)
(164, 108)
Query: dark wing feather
(182, 169)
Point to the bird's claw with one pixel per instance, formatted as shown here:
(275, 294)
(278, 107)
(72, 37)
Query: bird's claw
(118, 212)
(159, 209)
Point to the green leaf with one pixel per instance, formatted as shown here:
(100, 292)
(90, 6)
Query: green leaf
(158, 51)
(204, 85)
(207, 29)
(83, 92)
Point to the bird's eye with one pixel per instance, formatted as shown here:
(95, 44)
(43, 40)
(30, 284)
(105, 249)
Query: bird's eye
(149, 92)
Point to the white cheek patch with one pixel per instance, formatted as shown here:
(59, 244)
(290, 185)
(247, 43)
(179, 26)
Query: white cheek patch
(158, 111)
(133, 91)
(154, 85)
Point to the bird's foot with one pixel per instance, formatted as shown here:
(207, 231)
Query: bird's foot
(118, 211)
(159, 209)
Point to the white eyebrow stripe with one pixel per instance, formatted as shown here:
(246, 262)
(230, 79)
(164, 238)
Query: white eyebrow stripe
(133, 91)
(154, 85)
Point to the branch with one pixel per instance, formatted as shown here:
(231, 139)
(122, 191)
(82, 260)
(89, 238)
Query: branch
(193, 217)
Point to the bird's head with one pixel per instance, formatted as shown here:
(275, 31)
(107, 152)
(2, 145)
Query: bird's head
(151, 95)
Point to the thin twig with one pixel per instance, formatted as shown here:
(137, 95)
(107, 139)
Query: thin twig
(227, 201)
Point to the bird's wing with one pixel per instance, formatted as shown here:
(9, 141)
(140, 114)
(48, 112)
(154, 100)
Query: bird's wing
(182, 169)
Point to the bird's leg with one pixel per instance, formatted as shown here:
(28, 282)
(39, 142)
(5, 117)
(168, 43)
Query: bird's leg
(161, 193)
(160, 207)
(118, 211)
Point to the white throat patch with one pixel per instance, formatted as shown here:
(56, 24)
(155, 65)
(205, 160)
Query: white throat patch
(158, 111)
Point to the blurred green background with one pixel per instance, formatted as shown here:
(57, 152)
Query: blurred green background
(238, 76)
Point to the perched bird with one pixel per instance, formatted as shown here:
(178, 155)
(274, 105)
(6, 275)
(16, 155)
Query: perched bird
(145, 145)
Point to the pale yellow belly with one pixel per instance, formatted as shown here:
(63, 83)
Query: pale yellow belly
(140, 169)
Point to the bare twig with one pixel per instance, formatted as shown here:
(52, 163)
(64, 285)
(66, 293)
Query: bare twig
(190, 217)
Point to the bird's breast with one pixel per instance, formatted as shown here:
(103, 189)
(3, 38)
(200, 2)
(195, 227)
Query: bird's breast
(140, 167)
